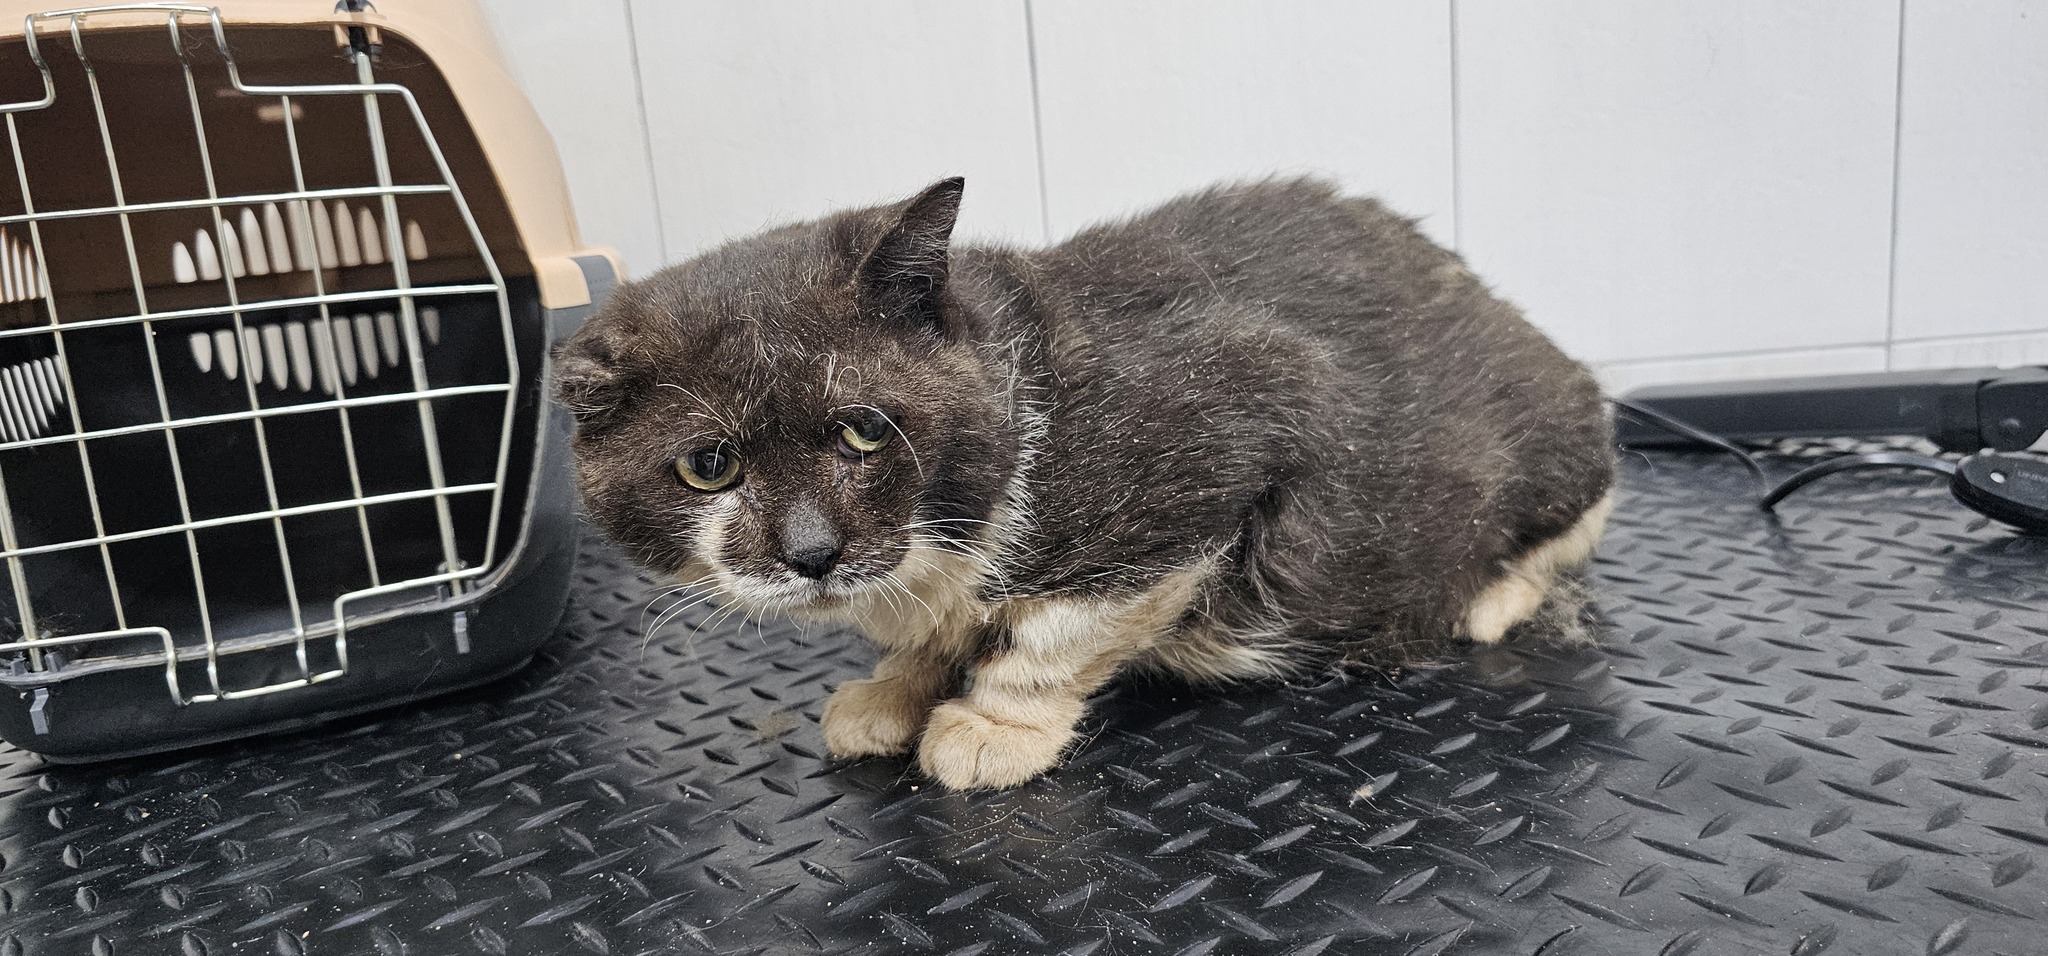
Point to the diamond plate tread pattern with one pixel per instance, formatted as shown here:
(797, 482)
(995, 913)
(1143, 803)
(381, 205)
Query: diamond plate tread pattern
(1824, 736)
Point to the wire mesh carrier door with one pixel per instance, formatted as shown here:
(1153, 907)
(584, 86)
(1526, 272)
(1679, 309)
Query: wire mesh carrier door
(271, 442)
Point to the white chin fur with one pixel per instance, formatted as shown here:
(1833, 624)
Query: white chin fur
(792, 594)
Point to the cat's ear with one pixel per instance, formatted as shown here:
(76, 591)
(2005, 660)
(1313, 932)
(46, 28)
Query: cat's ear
(589, 380)
(903, 276)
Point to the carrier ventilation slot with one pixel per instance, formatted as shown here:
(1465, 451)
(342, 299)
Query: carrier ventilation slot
(302, 354)
(31, 394)
(295, 238)
(20, 280)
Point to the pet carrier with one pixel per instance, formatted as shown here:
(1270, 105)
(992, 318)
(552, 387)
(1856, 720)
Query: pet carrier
(278, 280)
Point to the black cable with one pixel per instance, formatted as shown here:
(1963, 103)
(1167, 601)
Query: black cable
(1879, 459)
(2009, 488)
(1800, 479)
(1652, 417)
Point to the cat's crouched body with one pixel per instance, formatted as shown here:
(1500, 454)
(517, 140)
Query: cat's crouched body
(1260, 426)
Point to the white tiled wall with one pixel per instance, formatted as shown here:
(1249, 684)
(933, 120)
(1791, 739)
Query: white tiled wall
(763, 113)
(1678, 179)
(1139, 100)
(1973, 180)
(1685, 190)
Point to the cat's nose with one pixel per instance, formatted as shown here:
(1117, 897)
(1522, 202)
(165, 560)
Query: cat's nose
(815, 563)
(810, 545)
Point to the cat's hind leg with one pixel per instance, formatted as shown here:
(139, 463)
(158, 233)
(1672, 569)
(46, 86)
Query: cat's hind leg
(1020, 715)
(1527, 581)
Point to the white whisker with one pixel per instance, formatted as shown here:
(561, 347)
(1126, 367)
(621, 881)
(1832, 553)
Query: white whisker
(934, 522)
(891, 578)
(687, 586)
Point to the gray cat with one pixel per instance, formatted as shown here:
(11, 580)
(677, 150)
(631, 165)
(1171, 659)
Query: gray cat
(1260, 426)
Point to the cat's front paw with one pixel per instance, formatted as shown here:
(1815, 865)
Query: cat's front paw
(866, 718)
(967, 750)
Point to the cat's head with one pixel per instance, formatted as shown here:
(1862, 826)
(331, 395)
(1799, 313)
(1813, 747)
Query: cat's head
(791, 414)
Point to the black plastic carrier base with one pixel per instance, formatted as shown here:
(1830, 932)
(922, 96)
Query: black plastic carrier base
(97, 710)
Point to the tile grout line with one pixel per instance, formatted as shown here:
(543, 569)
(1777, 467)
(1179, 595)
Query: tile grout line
(1037, 122)
(1964, 338)
(1891, 293)
(646, 134)
(2025, 334)
(1457, 144)
(1725, 356)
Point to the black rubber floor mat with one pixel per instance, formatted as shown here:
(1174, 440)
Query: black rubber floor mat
(1830, 736)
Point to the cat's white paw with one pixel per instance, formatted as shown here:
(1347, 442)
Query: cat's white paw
(865, 718)
(967, 750)
(1521, 591)
(1504, 604)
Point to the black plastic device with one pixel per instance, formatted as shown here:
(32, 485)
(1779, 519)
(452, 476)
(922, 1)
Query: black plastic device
(2009, 488)
(1967, 410)
(1961, 410)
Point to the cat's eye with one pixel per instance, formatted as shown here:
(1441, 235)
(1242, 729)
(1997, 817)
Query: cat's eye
(865, 436)
(709, 469)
